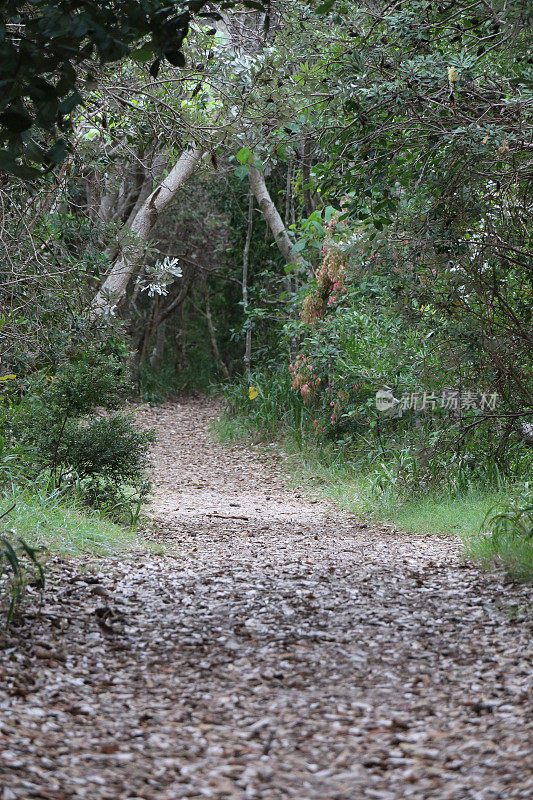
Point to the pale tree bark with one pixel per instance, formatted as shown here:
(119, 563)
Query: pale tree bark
(311, 199)
(245, 262)
(273, 219)
(152, 174)
(108, 201)
(114, 287)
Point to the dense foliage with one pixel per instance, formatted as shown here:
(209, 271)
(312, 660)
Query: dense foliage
(422, 187)
(311, 202)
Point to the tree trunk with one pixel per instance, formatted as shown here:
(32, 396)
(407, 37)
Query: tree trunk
(273, 219)
(152, 174)
(115, 285)
(156, 356)
(180, 338)
(310, 199)
(213, 334)
(157, 322)
(149, 332)
(245, 260)
(108, 201)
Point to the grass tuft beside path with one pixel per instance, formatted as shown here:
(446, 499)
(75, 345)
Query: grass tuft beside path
(64, 526)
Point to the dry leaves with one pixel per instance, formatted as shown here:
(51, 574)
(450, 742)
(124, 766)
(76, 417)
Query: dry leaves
(292, 653)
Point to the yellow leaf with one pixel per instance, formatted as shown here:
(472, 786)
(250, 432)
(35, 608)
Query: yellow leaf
(485, 140)
(8, 377)
(252, 392)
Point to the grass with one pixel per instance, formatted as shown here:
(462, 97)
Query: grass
(511, 553)
(327, 474)
(235, 429)
(63, 526)
(461, 515)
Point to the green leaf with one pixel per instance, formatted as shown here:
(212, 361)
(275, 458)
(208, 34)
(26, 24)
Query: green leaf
(56, 154)
(16, 594)
(244, 155)
(11, 556)
(69, 103)
(31, 552)
(254, 4)
(242, 172)
(11, 166)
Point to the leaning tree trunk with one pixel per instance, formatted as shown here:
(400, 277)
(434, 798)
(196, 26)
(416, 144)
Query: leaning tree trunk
(245, 262)
(213, 334)
(273, 219)
(113, 289)
(150, 176)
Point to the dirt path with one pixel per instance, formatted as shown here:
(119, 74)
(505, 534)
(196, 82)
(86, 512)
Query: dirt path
(277, 650)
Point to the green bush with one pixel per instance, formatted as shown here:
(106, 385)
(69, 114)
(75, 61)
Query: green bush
(366, 321)
(64, 422)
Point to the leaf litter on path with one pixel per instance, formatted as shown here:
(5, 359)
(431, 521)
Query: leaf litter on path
(277, 649)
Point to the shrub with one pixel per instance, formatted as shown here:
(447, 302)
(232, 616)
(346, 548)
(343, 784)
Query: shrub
(65, 420)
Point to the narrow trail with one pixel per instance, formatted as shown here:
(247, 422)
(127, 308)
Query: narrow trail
(277, 649)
